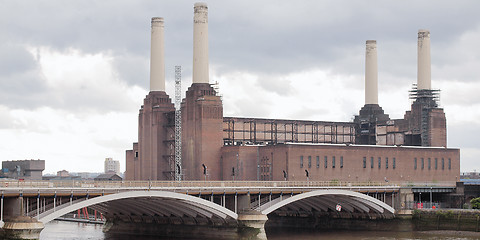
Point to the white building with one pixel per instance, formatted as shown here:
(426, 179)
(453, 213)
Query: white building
(112, 165)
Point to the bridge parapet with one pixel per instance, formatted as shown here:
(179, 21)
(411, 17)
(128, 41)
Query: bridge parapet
(208, 184)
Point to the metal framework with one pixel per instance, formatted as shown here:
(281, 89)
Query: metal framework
(428, 99)
(178, 123)
(169, 142)
(247, 131)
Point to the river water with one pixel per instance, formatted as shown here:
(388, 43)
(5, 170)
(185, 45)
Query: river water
(83, 231)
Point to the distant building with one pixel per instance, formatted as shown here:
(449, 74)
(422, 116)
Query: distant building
(23, 169)
(63, 173)
(112, 166)
(108, 177)
(86, 175)
(470, 175)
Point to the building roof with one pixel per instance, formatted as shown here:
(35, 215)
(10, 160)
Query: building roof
(108, 177)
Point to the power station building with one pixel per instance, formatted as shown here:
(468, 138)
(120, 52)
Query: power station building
(371, 148)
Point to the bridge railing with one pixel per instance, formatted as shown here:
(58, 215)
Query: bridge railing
(210, 184)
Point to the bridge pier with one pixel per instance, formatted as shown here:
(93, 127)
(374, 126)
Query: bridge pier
(22, 227)
(252, 224)
(15, 225)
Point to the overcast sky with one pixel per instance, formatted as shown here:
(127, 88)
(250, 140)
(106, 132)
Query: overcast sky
(73, 74)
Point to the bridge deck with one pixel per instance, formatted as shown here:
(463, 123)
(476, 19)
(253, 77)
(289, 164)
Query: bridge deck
(94, 188)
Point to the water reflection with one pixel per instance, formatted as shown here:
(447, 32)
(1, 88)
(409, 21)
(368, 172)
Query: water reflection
(83, 231)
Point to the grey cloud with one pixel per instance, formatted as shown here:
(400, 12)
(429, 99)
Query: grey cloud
(276, 84)
(21, 81)
(270, 38)
(133, 69)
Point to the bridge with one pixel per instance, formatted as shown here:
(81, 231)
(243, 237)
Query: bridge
(197, 203)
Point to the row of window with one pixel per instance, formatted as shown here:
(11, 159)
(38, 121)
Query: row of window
(429, 162)
(325, 161)
(372, 159)
(372, 162)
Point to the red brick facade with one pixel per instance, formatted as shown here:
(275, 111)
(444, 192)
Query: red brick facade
(228, 155)
(338, 162)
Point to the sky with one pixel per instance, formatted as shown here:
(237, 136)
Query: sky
(73, 74)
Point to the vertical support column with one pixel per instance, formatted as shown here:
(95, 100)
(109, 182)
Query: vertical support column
(423, 61)
(157, 60)
(236, 203)
(270, 199)
(38, 206)
(393, 199)
(431, 202)
(371, 73)
(54, 201)
(1, 208)
(200, 44)
(259, 199)
(223, 200)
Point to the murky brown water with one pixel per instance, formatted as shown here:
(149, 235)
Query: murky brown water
(81, 231)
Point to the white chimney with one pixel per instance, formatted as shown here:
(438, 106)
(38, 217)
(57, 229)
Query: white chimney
(157, 59)
(424, 69)
(371, 73)
(200, 43)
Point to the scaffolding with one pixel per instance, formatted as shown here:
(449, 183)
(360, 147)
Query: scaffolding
(178, 123)
(427, 99)
(252, 131)
(169, 142)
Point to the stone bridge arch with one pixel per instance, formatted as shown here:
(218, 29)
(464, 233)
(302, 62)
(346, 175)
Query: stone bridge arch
(353, 204)
(148, 206)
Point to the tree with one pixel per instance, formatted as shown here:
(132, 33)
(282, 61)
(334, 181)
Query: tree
(475, 203)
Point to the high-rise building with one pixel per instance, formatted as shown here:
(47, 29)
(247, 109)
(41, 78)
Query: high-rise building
(112, 165)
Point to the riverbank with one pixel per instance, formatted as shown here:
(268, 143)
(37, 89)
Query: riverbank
(446, 219)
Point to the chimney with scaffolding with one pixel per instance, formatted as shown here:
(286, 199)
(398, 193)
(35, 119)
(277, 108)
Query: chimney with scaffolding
(426, 121)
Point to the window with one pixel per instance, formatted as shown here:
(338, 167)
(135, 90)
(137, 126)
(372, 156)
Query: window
(449, 163)
(443, 163)
(136, 153)
(379, 162)
(415, 164)
(386, 162)
(333, 162)
(318, 161)
(393, 164)
(341, 161)
(364, 162)
(309, 161)
(436, 163)
(429, 163)
(371, 162)
(301, 161)
(325, 161)
(422, 164)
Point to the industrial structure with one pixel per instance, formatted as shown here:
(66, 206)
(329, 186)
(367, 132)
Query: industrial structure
(371, 148)
(23, 169)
